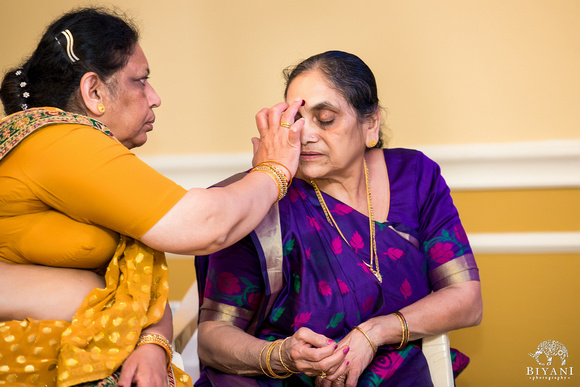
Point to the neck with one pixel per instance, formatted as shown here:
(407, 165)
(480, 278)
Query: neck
(350, 189)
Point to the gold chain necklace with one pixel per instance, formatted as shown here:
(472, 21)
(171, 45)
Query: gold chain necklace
(374, 264)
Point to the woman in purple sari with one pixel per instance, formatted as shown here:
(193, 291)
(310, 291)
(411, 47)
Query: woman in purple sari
(364, 256)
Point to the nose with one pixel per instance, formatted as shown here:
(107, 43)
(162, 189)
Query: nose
(153, 97)
(308, 133)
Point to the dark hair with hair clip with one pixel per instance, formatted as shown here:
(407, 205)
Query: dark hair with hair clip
(349, 75)
(102, 42)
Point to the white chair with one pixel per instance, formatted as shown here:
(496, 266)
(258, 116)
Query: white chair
(185, 331)
(437, 352)
(435, 348)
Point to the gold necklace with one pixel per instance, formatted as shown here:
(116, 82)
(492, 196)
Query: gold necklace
(374, 264)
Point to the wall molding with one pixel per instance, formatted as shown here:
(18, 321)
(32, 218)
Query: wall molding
(525, 243)
(522, 165)
(525, 165)
(511, 243)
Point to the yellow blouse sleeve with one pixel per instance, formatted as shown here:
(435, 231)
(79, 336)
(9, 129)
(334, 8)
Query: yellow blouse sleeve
(94, 179)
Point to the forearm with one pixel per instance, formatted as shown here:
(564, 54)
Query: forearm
(163, 327)
(454, 307)
(207, 220)
(231, 350)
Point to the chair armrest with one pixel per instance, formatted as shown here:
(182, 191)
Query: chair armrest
(437, 352)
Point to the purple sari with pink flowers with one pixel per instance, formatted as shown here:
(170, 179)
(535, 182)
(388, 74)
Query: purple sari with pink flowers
(296, 271)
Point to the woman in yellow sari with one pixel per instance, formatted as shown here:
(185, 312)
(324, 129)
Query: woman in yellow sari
(83, 222)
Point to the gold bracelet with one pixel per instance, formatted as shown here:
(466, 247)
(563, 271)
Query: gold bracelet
(404, 328)
(282, 165)
(260, 359)
(269, 367)
(280, 356)
(373, 346)
(277, 175)
(155, 338)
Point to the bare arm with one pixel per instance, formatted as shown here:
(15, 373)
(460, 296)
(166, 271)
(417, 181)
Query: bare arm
(454, 307)
(205, 221)
(233, 351)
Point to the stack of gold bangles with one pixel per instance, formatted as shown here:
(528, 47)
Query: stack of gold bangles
(276, 174)
(270, 373)
(154, 338)
(405, 328)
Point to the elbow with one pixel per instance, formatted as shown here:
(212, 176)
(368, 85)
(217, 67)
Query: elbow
(476, 310)
(478, 314)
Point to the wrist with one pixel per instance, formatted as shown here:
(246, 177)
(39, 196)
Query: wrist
(160, 341)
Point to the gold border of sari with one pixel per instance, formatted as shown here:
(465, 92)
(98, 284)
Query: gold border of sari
(458, 270)
(16, 127)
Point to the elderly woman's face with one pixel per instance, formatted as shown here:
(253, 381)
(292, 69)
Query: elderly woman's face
(129, 107)
(332, 138)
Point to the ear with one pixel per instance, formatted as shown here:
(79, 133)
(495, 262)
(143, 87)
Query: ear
(92, 92)
(372, 126)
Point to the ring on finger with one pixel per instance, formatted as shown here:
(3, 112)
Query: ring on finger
(286, 124)
(322, 375)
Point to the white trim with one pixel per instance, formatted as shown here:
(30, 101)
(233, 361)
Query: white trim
(525, 243)
(511, 243)
(524, 165)
(193, 170)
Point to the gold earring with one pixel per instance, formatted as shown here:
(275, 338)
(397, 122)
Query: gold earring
(372, 143)
(101, 108)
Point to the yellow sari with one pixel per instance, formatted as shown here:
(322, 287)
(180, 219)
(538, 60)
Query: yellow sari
(103, 332)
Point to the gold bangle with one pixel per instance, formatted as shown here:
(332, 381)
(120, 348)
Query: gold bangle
(155, 338)
(404, 328)
(269, 367)
(279, 163)
(373, 346)
(280, 175)
(277, 175)
(280, 356)
(260, 359)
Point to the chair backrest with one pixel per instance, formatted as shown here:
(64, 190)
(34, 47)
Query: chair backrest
(437, 352)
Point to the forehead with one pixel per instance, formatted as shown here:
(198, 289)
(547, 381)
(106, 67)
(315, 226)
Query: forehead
(137, 64)
(316, 90)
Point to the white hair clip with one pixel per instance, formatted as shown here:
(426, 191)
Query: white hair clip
(69, 45)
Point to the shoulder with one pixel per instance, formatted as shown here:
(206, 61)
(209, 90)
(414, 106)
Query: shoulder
(410, 161)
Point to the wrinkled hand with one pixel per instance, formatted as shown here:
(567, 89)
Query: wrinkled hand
(358, 358)
(278, 143)
(312, 354)
(146, 366)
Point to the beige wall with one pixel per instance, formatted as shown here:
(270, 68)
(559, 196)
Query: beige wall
(452, 72)
(448, 72)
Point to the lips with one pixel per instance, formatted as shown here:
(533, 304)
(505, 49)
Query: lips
(309, 155)
(150, 123)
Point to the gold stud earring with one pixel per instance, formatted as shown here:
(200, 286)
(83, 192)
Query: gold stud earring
(372, 143)
(101, 108)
